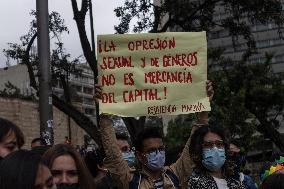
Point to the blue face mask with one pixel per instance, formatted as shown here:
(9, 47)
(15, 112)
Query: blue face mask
(129, 157)
(213, 158)
(156, 160)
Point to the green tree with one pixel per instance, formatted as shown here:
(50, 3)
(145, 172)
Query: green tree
(178, 132)
(247, 97)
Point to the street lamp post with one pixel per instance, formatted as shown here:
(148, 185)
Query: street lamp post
(45, 91)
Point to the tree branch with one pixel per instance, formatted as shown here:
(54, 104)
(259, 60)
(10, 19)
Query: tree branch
(202, 6)
(157, 19)
(85, 44)
(65, 89)
(75, 8)
(26, 61)
(83, 121)
(166, 26)
(84, 7)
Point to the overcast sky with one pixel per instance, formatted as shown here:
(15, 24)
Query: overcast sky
(15, 19)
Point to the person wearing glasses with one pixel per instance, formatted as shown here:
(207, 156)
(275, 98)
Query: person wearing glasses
(208, 149)
(150, 153)
(124, 146)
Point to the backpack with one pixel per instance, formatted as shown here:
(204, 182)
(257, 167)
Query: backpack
(137, 177)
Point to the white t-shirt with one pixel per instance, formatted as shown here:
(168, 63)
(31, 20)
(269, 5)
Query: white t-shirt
(221, 183)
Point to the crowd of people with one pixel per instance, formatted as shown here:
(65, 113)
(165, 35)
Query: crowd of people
(209, 160)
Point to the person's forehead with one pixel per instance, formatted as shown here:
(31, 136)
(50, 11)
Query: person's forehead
(152, 143)
(212, 137)
(234, 148)
(9, 137)
(64, 163)
(122, 142)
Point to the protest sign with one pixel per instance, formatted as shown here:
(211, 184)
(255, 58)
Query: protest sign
(153, 74)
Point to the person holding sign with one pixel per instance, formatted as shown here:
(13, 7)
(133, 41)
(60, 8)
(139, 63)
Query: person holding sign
(153, 74)
(150, 152)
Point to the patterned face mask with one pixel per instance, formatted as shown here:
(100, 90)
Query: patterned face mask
(156, 160)
(213, 158)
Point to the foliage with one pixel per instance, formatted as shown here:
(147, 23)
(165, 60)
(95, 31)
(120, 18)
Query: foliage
(11, 91)
(247, 97)
(154, 121)
(178, 132)
(183, 15)
(61, 66)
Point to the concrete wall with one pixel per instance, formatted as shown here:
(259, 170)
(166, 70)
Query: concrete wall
(25, 114)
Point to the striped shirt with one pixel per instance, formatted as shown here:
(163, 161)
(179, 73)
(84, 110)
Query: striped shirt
(159, 183)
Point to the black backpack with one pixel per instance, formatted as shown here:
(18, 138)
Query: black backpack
(137, 177)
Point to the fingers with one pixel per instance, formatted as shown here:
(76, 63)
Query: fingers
(208, 84)
(98, 93)
(98, 87)
(209, 89)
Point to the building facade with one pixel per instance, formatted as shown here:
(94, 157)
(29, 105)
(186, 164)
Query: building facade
(25, 114)
(81, 87)
(267, 37)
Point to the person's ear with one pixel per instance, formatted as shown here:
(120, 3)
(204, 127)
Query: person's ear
(139, 156)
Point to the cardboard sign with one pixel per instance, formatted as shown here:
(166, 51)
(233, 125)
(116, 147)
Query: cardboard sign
(153, 74)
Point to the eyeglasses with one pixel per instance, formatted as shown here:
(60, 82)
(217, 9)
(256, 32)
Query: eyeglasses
(211, 144)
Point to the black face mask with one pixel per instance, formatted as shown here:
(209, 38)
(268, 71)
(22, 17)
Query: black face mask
(67, 186)
(238, 161)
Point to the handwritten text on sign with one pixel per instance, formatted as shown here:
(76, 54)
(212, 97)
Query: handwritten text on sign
(153, 74)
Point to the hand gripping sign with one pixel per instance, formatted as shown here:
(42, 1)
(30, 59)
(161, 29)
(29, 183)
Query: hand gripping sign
(153, 74)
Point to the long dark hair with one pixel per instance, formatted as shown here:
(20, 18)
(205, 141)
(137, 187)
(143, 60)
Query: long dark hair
(18, 170)
(6, 127)
(195, 148)
(85, 178)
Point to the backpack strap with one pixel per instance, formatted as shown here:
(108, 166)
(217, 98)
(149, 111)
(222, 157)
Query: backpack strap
(137, 177)
(172, 176)
(136, 180)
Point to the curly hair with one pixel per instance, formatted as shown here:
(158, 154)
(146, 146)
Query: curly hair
(149, 132)
(196, 151)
